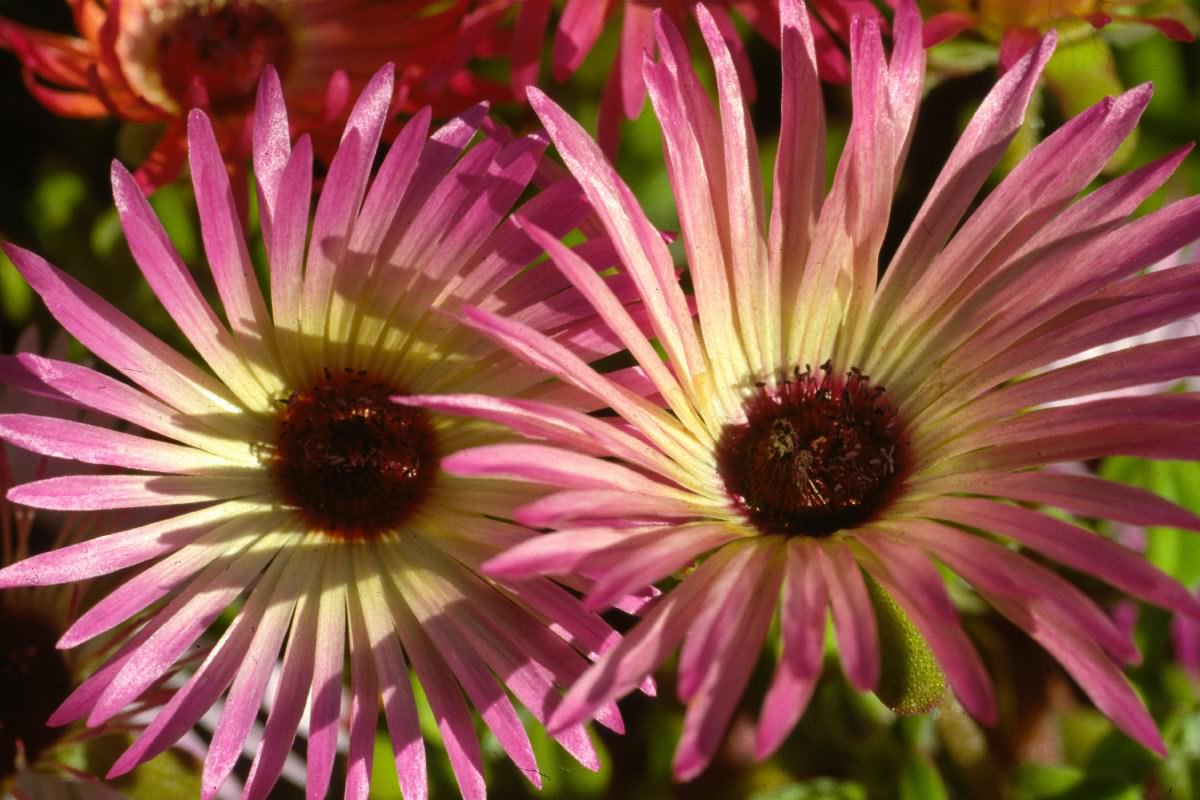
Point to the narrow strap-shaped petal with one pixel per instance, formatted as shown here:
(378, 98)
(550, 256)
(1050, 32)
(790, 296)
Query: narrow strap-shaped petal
(98, 492)
(594, 504)
(326, 698)
(93, 444)
(553, 466)
(364, 702)
(130, 348)
(716, 699)
(445, 700)
(250, 683)
(593, 287)
(568, 551)
(1075, 547)
(399, 708)
(841, 266)
(728, 595)
(206, 684)
(656, 555)
(799, 183)
(692, 143)
(106, 554)
(643, 649)
(999, 572)
(339, 203)
(107, 395)
(978, 150)
(294, 682)
(917, 587)
(175, 288)
(802, 629)
(272, 145)
(642, 249)
(478, 683)
(222, 543)
(853, 615)
(1150, 363)
(208, 596)
(534, 348)
(555, 423)
(1103, 682)
(229, 258)
(288, 238)
(578, 29)
(744, 197)
(1084, 495)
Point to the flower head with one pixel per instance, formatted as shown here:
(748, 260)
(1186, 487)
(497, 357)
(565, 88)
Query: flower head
(821, 439)
(152, 61)
(305, 491)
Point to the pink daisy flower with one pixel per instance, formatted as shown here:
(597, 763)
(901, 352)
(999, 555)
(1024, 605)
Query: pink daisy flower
(151, 61)
(582, 22)
(294, 483)
(818, 435)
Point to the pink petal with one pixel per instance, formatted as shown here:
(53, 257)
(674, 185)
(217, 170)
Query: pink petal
(104, 555)
(326, 698)
(98, 492)
(225, 246)
(999, 572)
(92, 444)
(578, 29)
(1075, 547)
(621, 669)
(550, 465)
(642, 249)
(128, 347)
(710, 710)
(364, 705)
(853, 615)
(802, 629)
(272, 146)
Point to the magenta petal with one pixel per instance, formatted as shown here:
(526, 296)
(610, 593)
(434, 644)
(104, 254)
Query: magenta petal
(1075, 547)
(802, 629)
(710, 710)
(853, 615)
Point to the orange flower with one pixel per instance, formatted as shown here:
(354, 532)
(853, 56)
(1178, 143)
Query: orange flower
(150, 61)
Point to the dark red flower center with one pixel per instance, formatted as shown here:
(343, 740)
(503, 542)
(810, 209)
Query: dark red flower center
(353, 462)
(34, 680)
(225, 50)
(817, 453)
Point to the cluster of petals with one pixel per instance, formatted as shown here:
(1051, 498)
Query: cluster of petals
(582, 22)
(37, 760)
(962, 329)
(151, 61)
(367, 292)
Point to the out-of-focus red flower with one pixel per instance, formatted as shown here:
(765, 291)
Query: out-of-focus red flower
(151, 61)
(582, 21)
(1019, 23)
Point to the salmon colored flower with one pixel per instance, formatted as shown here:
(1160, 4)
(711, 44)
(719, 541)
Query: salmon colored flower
(151, 61)
(820, 439)
(288, 478)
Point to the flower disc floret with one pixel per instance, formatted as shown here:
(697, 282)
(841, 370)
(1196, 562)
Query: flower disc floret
(352, 461)
(817, 453)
